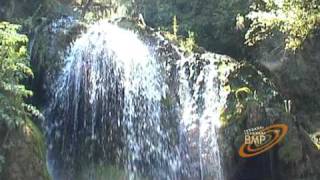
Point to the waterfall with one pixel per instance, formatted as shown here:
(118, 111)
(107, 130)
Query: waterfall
(202, 102)
(106, 110)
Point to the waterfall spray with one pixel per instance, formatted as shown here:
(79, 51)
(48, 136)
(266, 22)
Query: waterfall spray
(107, 110)
(202, 103)
(107, 100)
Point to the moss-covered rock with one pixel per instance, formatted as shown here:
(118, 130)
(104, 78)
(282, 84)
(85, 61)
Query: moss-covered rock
(253, 100)
(50, 41)
(24, 153)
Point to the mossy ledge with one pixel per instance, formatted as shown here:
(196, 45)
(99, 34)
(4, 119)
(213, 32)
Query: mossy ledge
(24, 153)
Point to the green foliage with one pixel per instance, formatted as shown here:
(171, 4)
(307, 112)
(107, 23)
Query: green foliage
(296, 19)
(213, 21)
(189, 43)
(186, 44)
(241, 98)
(93, 10)
(14, 67)
(242, 93)
(248, 88)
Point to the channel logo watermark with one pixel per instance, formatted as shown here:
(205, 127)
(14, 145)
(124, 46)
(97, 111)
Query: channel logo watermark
(260, 139)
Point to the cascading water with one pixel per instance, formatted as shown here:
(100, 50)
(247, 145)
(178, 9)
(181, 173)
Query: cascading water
(107, 110)
(107, 103)
(202, 102)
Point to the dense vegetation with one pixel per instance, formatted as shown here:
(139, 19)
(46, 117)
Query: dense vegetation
(212, 21)
(296, 19)
(14, 67)
(220, 26)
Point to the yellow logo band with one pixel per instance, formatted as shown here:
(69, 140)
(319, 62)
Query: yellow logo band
(263, 140)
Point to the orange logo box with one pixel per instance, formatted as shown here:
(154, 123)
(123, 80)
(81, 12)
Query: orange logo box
(257, 142)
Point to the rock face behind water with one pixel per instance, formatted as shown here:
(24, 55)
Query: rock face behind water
(251, 99)
(254, 101)
(49, 43)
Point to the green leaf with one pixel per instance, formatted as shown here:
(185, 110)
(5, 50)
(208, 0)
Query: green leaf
(14, 68)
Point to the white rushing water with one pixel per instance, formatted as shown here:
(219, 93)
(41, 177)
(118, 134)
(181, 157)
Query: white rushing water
(202, 104)
(107, 109)
(109, 65)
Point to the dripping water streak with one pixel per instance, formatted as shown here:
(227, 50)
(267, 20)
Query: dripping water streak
(109, 69)
(202, 102)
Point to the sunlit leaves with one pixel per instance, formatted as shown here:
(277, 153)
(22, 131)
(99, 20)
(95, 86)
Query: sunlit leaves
(296, 19)
(14, 67)
(186, 44)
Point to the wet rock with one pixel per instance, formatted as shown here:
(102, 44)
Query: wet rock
(24, 153)
(49, 42)
(264, 105)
